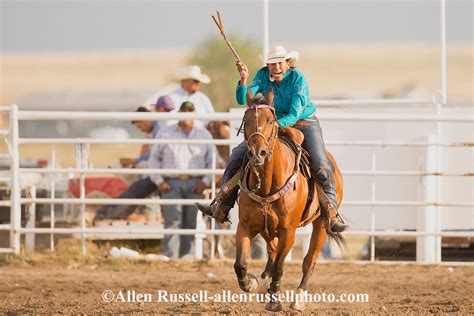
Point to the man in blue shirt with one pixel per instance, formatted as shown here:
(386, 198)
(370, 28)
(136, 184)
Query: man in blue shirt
(150, 128)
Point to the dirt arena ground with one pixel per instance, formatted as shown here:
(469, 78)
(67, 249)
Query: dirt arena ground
(76, 287)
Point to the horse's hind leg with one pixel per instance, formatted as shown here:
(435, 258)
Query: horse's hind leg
(318, 237)
(247, 282)
(285, 242)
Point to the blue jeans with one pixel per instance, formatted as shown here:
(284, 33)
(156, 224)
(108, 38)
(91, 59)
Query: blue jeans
(313, 143)
(321, 167)
(235, 162)
(138, 190)
(179, 216)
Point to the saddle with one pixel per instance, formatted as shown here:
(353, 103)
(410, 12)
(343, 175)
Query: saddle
(295, 147)
(295, 134)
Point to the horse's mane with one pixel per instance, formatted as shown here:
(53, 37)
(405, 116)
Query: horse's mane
(259, 99)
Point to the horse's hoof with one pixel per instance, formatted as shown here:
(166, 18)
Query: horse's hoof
(253, 283)
(298, 304)
(273, 307)
(264, 285)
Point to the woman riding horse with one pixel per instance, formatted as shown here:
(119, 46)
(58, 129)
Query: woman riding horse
(292, 104)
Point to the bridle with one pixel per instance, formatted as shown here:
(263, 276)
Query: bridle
(271, 140)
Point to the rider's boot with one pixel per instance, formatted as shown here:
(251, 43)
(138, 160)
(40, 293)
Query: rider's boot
(329, 213)
(215, 210)
(335, 223)
(227, 196)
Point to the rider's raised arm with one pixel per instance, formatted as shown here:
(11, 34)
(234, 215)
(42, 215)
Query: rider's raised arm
(255, 86)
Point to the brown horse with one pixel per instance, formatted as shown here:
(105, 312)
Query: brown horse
(275, 206)
(220, 130)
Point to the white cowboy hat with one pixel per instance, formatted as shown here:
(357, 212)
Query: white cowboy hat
(278, 54)
(194, 72)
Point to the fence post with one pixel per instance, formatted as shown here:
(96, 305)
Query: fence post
(372, 208)
(213, 195)
(30, 214)
(53, 195)
(15, 208)
(199, 237)
(428, 216)
(82, 162)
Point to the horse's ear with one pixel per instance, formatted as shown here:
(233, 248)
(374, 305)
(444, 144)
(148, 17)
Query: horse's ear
(270, 96)
(249, 97)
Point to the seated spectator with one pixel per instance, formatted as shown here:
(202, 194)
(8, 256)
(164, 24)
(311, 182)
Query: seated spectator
(150, 128)
(164, 104)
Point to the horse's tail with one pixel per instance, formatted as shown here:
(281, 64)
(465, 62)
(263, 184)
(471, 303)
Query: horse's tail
(339, 240)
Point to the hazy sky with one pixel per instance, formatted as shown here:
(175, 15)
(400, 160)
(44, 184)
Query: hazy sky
(58, 25)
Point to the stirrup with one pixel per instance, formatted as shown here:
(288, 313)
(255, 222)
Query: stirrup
(335, 224)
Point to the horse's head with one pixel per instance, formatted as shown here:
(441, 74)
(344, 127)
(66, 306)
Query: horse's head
(260, 127)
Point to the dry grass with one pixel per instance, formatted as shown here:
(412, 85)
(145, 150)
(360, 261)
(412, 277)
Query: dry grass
(336, 70)
(384, 70)
(332, 71)
(74, 72)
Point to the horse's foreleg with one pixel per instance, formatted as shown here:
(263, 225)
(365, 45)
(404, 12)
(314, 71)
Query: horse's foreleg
(271, 252)
(266, 274)
(285, 242)
(247, 282)
(318, 237)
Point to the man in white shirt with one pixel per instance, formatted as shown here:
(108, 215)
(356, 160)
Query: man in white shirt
(191, 79)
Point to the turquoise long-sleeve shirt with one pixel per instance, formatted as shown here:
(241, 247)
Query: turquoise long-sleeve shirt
(291, 99)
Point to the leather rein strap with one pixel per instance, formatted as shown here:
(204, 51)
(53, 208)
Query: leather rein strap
(277, 195)
(266, 201)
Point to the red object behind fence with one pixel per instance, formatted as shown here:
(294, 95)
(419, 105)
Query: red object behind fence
(111, 186)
